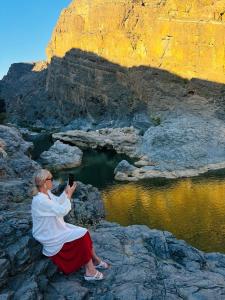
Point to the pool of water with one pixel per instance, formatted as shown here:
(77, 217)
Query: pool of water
(193, 209)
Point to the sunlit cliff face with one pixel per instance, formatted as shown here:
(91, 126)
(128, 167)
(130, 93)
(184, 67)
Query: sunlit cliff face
(185, 37)
(192, 210)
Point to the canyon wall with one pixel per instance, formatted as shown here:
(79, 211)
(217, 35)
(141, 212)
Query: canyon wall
(127, 60)
(184, 37)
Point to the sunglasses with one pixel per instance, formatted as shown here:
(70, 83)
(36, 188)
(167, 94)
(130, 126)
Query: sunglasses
(49, 179)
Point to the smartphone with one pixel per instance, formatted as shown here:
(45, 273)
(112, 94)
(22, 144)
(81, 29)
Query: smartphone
(71, 179)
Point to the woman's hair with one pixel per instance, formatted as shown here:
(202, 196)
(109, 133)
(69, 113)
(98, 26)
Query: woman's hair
(39, 179)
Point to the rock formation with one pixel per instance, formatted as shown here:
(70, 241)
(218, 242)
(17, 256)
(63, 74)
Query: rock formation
(61, 156)
(183, 37)
(108, 68)
(184, 146)
(122, 140)
(23, 90)
(145, 264)
(16, 168)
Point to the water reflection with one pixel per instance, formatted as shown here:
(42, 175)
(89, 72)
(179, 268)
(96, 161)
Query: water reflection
(192, 209)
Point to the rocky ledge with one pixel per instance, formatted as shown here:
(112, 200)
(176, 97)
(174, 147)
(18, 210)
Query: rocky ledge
(145, 264)
(122, 140)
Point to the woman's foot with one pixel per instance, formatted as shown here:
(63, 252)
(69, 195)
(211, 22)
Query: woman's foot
(102, 265)
(97, 276)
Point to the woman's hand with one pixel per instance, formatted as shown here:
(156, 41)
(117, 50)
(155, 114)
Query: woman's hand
(69, 190)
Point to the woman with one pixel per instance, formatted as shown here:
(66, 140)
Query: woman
(68, 246)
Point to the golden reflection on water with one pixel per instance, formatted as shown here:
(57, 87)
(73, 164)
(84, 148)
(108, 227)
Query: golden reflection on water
(193, 210)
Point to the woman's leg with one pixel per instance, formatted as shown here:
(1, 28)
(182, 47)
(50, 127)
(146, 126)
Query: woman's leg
(98, 263)
(95, 258)
(90, 268)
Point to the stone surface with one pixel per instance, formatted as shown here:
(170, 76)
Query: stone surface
(61, 156)
(183, 37)
(145, 264)
(16, 168)
(87, 206)
(185, 146)
(122, 140)
(23, 88)
(186, 142)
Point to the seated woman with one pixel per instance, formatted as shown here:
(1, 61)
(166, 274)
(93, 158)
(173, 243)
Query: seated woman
(68, 246)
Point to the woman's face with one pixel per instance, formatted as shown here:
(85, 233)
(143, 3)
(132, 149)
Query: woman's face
(48, 181)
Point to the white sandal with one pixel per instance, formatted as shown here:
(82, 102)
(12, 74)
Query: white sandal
(102, 265)
(98, 276)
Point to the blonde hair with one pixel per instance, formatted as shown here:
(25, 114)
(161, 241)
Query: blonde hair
(39, 179)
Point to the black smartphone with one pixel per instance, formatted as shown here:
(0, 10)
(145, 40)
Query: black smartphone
(71, 179)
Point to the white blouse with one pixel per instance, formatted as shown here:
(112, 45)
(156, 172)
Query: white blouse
(49, 227)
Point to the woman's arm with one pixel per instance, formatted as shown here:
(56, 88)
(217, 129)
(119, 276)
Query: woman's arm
(66, 194)
(43, 206)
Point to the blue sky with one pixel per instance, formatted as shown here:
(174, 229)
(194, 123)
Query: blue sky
(25, 29)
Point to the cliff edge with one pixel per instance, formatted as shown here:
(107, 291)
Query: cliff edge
(183, 37)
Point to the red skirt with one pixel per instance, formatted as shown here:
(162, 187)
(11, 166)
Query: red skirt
(74, 255)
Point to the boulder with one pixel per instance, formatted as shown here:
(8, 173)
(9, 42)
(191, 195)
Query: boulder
(61, 156)
(184, 146)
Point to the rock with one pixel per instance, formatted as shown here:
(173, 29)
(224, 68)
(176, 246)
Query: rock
(6, 295)
(122, 140)
(185, 146)
(90, 79)
(22, 84)
(2, 149)
(146, 33)
(4, 267)
(124, 167)
(16, 168)
(142, 163)
(13, 190)
(19, 253)
(69, 290)
(87, 206)
(61, 156)
(27, 289)
(186, 143)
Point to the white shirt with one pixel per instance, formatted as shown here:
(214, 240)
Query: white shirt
(49, 227)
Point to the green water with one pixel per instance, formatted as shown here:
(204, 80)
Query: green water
(96, 169)
(2, 118)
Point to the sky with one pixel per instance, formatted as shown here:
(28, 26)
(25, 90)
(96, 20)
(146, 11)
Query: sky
(25, 29)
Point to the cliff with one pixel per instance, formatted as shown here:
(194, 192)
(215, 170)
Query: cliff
(115, 60)
(184, 37)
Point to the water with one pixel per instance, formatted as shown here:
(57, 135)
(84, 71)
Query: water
(2, 118)
(192, 209)
(96, 169)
